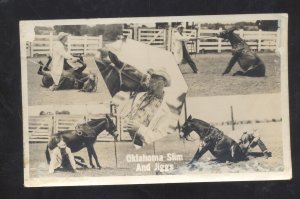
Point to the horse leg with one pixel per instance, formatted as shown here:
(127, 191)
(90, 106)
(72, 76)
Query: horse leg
(47, 155)
(257, 71)
(95, 157)
(80, 162)
(90, 156)
(237, 153)
(239, 73)
(198, 155)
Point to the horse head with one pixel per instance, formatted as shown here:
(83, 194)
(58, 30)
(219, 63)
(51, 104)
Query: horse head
(226, 33)
(131, 79)
(110, 127)
(199, 126)
(186, 128)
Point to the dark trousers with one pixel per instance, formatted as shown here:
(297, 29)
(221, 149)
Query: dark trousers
(188, 58)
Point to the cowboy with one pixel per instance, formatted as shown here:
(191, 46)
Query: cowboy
(180, 51)
(146, 116)
(62, 157)
(251, 139)
(59, 55)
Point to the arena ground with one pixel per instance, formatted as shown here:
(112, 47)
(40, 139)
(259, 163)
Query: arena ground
(271, 134)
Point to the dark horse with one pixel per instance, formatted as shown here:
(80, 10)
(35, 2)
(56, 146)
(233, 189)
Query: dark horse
(119, 76)
(71, 78)
(83, 136)
(220, 145)
(248, 60)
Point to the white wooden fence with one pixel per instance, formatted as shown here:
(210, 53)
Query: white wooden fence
(43, 44)
(43, 126)
(154, 37)
(162, 38)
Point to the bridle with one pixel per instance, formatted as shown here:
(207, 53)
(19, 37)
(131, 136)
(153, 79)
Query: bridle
(121, 72)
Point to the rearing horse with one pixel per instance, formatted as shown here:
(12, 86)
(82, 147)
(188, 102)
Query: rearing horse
(220, 145)
(84, 135)
(119, 76)
(249, 61)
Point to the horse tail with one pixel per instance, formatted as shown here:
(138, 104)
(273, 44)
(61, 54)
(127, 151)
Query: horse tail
(47, 154)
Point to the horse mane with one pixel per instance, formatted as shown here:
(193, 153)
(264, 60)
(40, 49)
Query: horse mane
(238, 38)
(201, 122)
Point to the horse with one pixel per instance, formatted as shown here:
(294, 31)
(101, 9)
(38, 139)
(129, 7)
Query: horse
(119, 76)
(71, 78)
(220, 145)
(84, 136)
(249, 61)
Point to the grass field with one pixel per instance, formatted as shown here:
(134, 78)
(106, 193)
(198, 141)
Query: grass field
(210, 82)
(270, 134)
(38, 95)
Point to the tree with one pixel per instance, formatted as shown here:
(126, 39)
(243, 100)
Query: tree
(71, 29)
(267, 25)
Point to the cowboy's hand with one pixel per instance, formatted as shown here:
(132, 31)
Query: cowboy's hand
(133, 126)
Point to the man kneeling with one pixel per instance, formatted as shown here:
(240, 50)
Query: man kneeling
(62, 157)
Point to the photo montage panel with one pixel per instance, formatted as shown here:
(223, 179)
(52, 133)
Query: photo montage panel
(197, 98)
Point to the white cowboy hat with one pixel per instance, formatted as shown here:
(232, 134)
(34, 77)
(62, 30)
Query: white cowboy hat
(61, 144)
(161, 72)
(61, 35)
(179, 26)
(74, 64)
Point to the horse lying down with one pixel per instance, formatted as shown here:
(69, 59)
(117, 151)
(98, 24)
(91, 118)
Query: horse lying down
(220, 145)
(84, 136)
(71, 78)
(249, 61)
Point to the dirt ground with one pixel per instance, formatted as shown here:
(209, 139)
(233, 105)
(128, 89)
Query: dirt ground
(210, 82)
(38, 95)
(270, 134)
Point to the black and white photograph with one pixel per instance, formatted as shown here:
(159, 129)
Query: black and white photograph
(155, 100)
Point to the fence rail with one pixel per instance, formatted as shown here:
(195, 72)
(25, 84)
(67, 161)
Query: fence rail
(43, 45)
(163, 38)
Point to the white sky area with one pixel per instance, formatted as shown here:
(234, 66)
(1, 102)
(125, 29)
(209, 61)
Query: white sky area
(245, 107)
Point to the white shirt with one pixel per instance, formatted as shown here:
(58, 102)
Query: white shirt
(58, 56)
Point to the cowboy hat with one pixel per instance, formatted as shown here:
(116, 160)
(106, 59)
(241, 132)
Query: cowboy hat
(179, 26)
(162, 73)
(74, 64)
(61, 144)
(61, 35)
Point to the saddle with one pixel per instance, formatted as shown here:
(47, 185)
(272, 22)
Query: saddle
(214, 136)
(85, 130)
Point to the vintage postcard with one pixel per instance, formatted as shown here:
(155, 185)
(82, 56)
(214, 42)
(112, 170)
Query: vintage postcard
(155, 100)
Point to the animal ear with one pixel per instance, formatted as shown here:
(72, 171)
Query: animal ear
(190, 117)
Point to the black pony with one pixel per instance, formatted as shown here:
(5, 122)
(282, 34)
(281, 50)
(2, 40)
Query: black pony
(248, 60)
(71, 78)
(83, 136)
(220, 145)
(119, 76)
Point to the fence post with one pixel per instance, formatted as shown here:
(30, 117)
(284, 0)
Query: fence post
(169, 38)
(69, 43)
(31, 48)
(259, 41)
(84, 44)
(277, 38)
(232, 119)
(51, 44)
(219, 42)
(100, 41)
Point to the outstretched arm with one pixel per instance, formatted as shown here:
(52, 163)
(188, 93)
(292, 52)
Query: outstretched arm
(231, 63)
